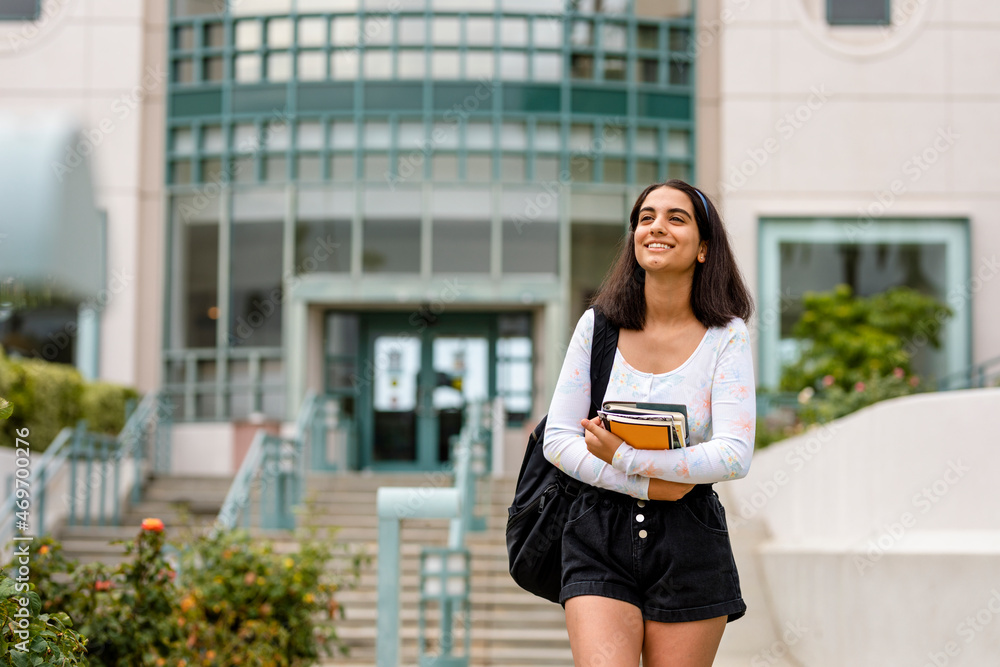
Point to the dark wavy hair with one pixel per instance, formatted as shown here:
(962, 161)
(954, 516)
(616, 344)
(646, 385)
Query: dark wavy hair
(718, 291)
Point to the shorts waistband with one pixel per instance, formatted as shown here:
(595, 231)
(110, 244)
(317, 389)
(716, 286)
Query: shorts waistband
(614, 496)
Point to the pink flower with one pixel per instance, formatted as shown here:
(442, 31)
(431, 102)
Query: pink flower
(914, 380)
(859, 386)
(899, 373)
(828, 380)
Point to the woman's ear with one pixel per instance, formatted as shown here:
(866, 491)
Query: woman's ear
(702, 251)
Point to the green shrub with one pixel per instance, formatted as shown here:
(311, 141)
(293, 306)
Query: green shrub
(29, 636)
(103, 406)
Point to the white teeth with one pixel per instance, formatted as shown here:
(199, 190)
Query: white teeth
(657, 245)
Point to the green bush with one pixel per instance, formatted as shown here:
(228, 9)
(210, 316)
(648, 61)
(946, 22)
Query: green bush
(47, 397)
(854, 339)
(29, 636)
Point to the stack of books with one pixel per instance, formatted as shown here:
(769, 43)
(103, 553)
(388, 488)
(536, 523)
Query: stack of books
(647, 425)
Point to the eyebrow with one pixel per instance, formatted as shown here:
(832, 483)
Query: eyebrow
(669, 210)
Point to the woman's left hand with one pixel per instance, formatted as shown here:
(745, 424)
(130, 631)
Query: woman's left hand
(602, 443)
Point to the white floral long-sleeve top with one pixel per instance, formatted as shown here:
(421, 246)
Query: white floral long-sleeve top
(716, 383)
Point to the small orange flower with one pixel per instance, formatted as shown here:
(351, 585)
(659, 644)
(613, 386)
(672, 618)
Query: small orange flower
(44, 549)
(154, 525)
(102, 585)
(187, 603)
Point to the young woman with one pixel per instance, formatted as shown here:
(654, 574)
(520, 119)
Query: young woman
(648, 569)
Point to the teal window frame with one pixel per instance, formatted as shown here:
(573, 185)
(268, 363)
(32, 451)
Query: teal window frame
(953, 233)
(11, 15)
(833, 21)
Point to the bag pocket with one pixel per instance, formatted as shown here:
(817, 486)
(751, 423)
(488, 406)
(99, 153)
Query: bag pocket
(534, 544)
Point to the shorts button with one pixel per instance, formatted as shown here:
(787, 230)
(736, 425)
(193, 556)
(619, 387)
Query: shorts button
(640, 518)
(643, 534)
(641, 503)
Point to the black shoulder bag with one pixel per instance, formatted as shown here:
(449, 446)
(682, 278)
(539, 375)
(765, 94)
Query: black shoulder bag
(544, 493)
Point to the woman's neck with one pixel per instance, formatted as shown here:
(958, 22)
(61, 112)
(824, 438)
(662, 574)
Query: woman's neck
(668, 299)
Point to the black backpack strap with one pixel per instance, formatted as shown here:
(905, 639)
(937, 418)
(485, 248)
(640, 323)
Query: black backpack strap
(602, 357)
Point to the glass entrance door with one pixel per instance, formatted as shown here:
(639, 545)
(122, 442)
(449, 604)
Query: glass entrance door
(422, 377)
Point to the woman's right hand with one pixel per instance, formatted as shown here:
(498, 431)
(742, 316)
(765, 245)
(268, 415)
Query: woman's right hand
(661, 489)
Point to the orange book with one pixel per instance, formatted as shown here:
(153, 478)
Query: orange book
(647, 425)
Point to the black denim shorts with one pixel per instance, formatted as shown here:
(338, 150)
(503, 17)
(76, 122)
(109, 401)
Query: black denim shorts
(671, 559)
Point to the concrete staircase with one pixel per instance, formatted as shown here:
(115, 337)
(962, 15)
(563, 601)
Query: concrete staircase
(510, 628)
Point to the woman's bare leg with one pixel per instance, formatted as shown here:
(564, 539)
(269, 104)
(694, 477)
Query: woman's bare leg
(690, 644)
(604, 632)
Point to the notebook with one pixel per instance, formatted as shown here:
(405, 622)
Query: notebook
(647, 425)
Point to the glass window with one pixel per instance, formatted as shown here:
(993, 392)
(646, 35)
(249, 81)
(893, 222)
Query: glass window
(680, 73)
(344, 65)
(461, 246)
(243, 169)
(412, 30)
(546, 137)
(245, 138)
(182, 141)
(582, 67)
(614, 36)
(212, 69)
(275, 135)
(513, 66)
(322, 246)
(411, 64)
(479, 168)
(444, 64)
(479, 135)
(198, 306)
(255, 279)
(409, 166)
(345, 32)
(513, 136)
(210, 170)
(391, 246)
(680, 170)
(279, 33)
(376, 166)
(548, 67)
(514, 32)
(312, 66)
(344, 134)
(680, 39)
(514, 367)
(378, 30)
(530, 246)
(411, 135)
(184, 37)
(646, 171)
(214, 36)
(211, 139)
(648, 37)
(247, 68)
(647, 70)
(614, 138)
(858, 12)
(512, 168)
(548, 31)
(646, 141)
(312, 31)
(184, 70)
(275, 169)
(614, 69)
(678, 143)
(445, 31)
(378, 64)
(479, 31)
(327, 5)
(444, 167)
(180, 172)
(583, 33)
(546, 169)
(614, 170)
(342, 167)
(581, 138)
(310, 135)
(309, 168)
(248, 35)
(444, 135)
(279, 66)
(581, 168)
(479, 65)
(258, 7)
(377, 134)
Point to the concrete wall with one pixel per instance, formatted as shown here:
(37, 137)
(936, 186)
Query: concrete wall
(104, 64)
(877, 535)
(821, 121)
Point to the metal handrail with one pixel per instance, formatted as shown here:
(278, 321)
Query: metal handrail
(976, 376)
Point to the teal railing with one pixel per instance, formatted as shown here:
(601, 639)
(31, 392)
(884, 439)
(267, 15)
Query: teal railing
(445, 573)
(274, 471)
(92, 473)
(986, 374)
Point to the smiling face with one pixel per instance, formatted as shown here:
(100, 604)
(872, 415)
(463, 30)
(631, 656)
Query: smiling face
(666, 234)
